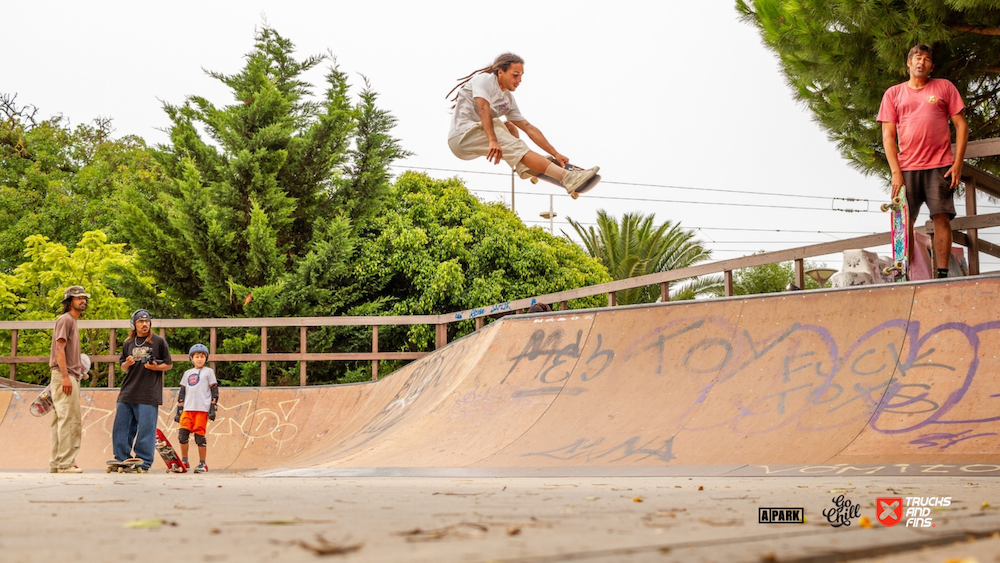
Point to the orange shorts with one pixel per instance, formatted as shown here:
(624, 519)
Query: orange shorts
(194, 421)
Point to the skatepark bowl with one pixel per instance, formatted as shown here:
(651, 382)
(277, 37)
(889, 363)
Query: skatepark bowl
(657, 432)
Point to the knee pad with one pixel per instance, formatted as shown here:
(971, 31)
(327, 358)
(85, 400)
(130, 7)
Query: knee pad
(182, 435)
(200, 440)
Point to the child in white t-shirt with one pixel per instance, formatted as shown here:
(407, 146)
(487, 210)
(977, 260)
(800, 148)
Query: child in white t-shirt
(196, 405)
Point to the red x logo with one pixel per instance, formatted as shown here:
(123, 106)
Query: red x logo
(889, 510)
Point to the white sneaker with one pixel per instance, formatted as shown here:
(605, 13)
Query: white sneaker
(575, 179)
(73, 469)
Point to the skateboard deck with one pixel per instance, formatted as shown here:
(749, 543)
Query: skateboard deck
(130, 465)
(166, 451)
(900, 220)
(586, 187)
(42, 405)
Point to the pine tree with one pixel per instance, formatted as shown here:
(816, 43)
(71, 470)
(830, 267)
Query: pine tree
(840, 56)
(259, 218)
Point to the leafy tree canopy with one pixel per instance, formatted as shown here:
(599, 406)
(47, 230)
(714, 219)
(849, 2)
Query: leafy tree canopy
(840, 57)
(436, 248)
(768, 278)
(34, 291)
(637, 246)
(265, 193)
(60, 181)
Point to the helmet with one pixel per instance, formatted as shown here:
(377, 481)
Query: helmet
(197, 348)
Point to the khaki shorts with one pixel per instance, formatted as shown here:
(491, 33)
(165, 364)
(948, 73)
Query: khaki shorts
(473, 144)
(932, 188)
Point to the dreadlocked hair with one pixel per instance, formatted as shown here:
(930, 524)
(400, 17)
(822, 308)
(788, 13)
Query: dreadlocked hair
(502, 62)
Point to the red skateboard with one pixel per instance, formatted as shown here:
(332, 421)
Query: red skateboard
(166, 451)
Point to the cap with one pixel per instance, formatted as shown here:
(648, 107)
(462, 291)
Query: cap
(74, 291)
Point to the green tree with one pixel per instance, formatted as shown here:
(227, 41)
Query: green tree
(60, 181)
(767, 278)
(261, 212)
(637, 246)
(840, 57)
(435, 248)
(34, 291)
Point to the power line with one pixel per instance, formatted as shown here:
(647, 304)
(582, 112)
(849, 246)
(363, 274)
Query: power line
(666, 186)
(733, 229)
(648, 200)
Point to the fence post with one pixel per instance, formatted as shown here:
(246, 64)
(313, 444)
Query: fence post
(612, 299)
(375, 351)
(441, 336)
(302, 361)
(212, 339)
(112, 348)
(263, 350)
(970, 210)
(564, 305)
(728, 276)
(479, 323)
(13, 354)
(664, 292)
(800, 273)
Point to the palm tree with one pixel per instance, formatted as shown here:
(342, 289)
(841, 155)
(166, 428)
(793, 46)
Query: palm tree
(637, 247)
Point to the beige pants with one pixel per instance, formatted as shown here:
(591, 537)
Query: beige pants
(67, 424)
(474, 143)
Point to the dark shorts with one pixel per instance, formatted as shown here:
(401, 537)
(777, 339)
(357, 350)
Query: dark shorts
(932, 188)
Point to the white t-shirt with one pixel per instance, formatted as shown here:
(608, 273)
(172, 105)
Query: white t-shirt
(199, 382)
(485, 86)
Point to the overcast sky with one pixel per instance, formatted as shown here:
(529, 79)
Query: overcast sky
(676, 101)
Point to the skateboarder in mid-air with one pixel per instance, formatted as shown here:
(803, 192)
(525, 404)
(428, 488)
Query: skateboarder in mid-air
(198, 400)
(917, 113)
(483, 98)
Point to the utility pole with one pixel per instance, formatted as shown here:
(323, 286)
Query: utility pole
(550, 215)
(512, 191)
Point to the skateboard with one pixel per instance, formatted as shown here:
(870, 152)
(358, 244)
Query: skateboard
(42, 405)
(586, 187)
(166, 451)
(900, 238)
(130, 465)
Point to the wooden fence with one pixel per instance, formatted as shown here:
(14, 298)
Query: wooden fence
(966, 233)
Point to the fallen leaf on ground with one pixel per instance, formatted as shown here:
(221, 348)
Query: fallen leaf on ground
(326, 547)
(865, 522)
(460, 530)
(721, 522)
(149, 523)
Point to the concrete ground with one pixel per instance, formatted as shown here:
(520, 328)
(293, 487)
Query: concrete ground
(226, 516)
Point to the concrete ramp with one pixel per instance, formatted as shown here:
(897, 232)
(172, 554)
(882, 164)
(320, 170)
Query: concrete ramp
(892, 375)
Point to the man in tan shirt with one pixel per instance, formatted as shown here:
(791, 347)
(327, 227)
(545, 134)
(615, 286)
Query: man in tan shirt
(67, 371)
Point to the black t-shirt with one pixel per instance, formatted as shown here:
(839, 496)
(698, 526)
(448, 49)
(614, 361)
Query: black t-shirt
(144, 386)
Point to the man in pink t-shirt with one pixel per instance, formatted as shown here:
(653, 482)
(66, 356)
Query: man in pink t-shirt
(917, 113)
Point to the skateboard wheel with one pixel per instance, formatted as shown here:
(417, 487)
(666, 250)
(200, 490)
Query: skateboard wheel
(121, 470)
(108, 469)
(884, 207)
(896, 200)
(899, 266)
(886, 271)
(534, 180)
